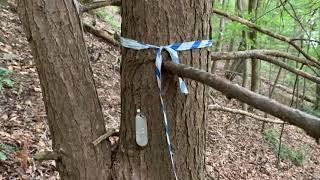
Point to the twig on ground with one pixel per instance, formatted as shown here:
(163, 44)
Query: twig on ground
(101, 34)
(246, 113)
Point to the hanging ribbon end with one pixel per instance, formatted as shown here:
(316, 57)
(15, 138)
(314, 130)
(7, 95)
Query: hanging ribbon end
(183, 86)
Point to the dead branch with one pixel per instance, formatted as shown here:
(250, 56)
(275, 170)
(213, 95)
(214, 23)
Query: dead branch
(99, 4)
(303, 39)
(245, 113)
(267, 32)
(101, 34)
(310, 124)
(112, 132)
(286, 55)
(274, 53)
(254, 54)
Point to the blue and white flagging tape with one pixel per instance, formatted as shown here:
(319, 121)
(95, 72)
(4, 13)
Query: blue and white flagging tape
(173, 51)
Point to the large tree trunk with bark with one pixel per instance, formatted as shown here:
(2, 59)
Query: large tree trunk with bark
(161, 23)
(71, 101)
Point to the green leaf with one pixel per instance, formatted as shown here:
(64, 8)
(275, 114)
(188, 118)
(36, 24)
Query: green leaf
(4, 71)
(8, 81)
(3, 156)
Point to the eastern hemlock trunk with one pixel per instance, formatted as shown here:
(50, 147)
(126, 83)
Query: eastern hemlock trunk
(162, 23)
(71, 101)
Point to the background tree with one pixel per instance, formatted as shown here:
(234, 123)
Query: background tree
(71, 101)
(255, 67)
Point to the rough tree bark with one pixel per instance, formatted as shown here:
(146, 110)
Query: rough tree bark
(161, 23)
(71, 101)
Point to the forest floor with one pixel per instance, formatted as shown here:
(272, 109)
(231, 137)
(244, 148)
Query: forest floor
(236, 148)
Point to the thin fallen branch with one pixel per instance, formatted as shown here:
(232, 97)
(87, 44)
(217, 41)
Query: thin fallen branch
(99, 4)
(308, 123)
(101, 34)
(112, 132)
(245, 113)
(267, 32)
(250, 54)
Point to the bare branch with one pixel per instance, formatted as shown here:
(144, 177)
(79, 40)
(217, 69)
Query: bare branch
(246, 113)
(254, 54)
(275, 53)
(101, 34)
(310, 124)
(99, 4)
(303, 39)
(267, 32)
(112, 132)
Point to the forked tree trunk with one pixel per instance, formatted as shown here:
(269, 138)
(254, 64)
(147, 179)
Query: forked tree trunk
(71, 101)
(161, 23)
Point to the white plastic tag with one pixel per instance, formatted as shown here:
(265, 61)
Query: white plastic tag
(141, 129)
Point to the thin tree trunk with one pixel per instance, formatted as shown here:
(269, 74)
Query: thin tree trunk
(317, 106)
(219, 43)
(317, 96)
(245, 74)
(227, 63)
(160, 23)
(245, 83)
(238, 66)
(71, 101)
(255, 62)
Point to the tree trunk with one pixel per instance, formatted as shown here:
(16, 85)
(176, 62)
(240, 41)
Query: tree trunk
(253, 36)
(219, 43)
(71, 101)
(161, 23)
(255, 63)
(245, 74)
(227, 63)
(317, 105)
(237, 67)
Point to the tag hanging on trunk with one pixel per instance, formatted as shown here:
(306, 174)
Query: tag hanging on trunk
(141, 129)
